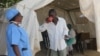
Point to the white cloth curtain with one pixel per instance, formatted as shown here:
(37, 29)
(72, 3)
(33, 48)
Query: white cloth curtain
(30, 22)
(91, 9)
(87, 9)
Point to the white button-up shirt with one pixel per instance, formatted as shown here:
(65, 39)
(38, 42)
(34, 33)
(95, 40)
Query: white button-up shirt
(56, 34)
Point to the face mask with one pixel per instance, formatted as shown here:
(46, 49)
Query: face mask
(18, 23)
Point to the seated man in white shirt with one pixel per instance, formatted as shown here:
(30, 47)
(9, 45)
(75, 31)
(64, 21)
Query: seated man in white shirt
(57, 31)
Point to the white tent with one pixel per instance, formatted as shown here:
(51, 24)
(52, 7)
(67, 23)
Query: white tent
(91, 9)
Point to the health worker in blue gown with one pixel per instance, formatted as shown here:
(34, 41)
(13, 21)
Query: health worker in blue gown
(16, 37)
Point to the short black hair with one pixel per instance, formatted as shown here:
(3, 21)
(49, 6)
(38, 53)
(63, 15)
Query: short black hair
(52, 11)
(69, 25)
(13, 19)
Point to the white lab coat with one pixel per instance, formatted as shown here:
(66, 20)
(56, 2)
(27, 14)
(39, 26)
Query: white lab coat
(56, 34)
(72, 33)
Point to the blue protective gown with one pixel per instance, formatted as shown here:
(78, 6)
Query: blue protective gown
(17, 36)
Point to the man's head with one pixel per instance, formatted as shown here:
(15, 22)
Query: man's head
(69, 26)
(13, 14)
(52, 12)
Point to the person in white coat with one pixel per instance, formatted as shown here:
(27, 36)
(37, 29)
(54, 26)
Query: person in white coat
(57, 31)
(72, 40)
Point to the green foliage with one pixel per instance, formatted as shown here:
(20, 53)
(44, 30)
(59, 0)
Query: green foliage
(7, 3)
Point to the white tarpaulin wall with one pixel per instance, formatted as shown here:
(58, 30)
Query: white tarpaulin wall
(30, 22)
(91, 9)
